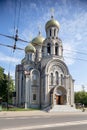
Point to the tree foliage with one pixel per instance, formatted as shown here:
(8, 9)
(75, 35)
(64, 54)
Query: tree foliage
(5, 86)
(81, 97)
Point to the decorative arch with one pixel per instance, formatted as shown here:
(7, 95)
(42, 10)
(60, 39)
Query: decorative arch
(58, 95)
(58, 63)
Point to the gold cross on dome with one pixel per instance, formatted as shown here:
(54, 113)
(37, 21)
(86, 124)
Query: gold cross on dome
(52, 12)
(39, 28)
(30, 36)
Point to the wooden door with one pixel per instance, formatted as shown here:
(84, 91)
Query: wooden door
(57, 98)
(61, 100)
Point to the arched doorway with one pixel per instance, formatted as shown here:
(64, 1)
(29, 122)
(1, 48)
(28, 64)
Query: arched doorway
(58, 96)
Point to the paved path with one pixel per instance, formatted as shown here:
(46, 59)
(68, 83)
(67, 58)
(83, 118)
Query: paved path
(35, 120)
(32, 113)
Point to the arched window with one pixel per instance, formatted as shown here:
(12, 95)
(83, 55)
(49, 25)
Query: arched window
(57, 77)
(51, 78)
(54, 32)
(49, 48)
(35, 77)
(36, 53)
(34, 97)
(30, 56)
(56, 49)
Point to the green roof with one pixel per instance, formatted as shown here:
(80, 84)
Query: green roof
(52, 22)
(30, 48)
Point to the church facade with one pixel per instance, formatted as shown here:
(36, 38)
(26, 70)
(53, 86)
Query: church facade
(43, 79)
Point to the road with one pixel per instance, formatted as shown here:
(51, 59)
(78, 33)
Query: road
(69, 121)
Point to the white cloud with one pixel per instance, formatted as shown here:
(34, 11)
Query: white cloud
(33, 6)
(6, 58)
(79, 87)
(75, 28)
(78, 36)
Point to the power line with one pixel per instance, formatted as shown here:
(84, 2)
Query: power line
(80, 59)
(19, 14)
(15, 10)
(76, 51)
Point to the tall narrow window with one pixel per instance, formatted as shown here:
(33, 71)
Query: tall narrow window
(51, 78)
(56, 49)
(54, 32)
(35, 77)
(57, 77)
(30, 56)
(61, 79)
(34, 97)
(36, 53)
(48, 48)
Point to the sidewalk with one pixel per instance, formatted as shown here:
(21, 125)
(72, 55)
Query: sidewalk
(20, 113)
(35, 113)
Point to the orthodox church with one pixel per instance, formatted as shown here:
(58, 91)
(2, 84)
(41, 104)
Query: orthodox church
(43, 78)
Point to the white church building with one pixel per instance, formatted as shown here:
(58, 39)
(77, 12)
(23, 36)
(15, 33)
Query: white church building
(42, 79)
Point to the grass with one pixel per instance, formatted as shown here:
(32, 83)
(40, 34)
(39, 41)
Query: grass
(19, 109)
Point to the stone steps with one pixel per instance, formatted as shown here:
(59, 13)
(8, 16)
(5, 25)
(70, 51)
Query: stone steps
(63, 108)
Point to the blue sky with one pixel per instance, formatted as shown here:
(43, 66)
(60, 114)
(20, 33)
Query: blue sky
(72, 16)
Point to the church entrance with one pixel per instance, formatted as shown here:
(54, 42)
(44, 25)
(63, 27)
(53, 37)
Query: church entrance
(58, 96)
(58, 100)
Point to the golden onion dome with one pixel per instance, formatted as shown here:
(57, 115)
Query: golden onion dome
(23, 60)
(51, 23)
(30, 48)
(38, 40)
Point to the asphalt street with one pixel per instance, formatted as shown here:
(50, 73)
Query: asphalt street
(46, 121)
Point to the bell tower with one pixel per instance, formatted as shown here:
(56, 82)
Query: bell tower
(52, 44)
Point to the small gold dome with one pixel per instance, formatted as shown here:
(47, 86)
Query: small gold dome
(30, 48)
(52, 22)
(38, 40)
(23, 60)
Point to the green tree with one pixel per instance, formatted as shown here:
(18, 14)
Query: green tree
(6, 86)
(81, 97)
(11, 89)
(3, 84)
